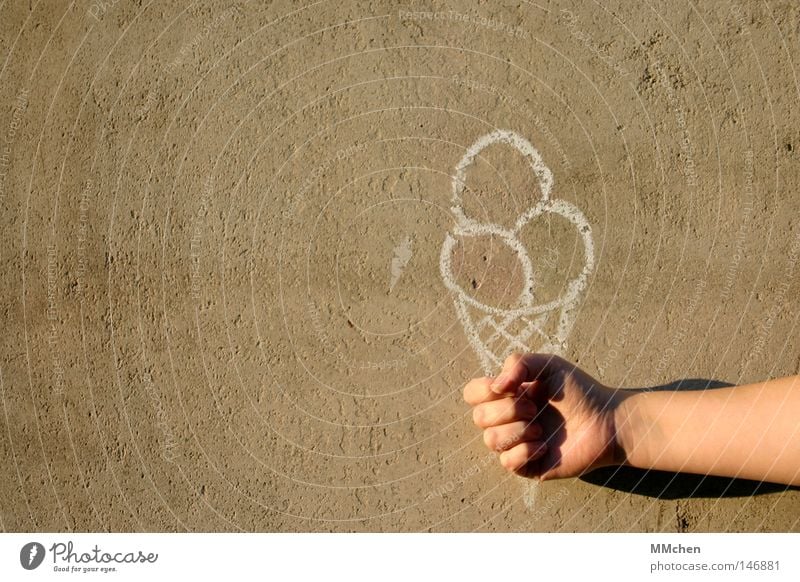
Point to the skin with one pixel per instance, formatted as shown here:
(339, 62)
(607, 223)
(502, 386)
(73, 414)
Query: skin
(548, 419)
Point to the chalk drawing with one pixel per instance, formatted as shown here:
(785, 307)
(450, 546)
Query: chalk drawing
(522, 327)
(402, 255)
(484, 323)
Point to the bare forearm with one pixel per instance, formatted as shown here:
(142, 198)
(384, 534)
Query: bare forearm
(752, 431)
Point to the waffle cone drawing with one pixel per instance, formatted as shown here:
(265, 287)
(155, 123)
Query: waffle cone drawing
(492, 331)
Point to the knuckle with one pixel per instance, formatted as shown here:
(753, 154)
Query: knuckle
(478, 415)
(535, 450)
(508, 462)
(515, 411)
(524, 408)
(512, 360)
(490, 438)
(510, 440)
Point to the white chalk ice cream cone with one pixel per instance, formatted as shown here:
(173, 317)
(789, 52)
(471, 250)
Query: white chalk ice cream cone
(495, 332)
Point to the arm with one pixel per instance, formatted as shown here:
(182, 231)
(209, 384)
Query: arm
(751, 431)
(548, 419)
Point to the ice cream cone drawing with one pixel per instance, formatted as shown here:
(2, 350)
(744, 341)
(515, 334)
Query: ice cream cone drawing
(528, 325)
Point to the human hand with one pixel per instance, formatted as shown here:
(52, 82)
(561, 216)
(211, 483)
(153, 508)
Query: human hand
(546, 417)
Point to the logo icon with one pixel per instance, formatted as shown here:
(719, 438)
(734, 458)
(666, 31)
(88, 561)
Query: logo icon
(31, 555)
(402, 255)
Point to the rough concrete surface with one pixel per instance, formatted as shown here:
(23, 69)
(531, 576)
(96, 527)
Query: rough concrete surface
(221, 231)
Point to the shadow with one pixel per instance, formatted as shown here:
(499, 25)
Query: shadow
(666, 485)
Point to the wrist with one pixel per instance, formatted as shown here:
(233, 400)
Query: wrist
(627, 426)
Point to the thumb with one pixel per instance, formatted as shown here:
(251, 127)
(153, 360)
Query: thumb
(519, 368)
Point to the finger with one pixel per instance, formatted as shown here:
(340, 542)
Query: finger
(519, 368)
(517, 457)
(503, 411)
(532, 390)
(503, 437)
(533, 468)
(478, 390)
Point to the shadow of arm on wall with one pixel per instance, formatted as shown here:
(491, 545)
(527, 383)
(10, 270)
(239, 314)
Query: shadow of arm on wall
(666, 485)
